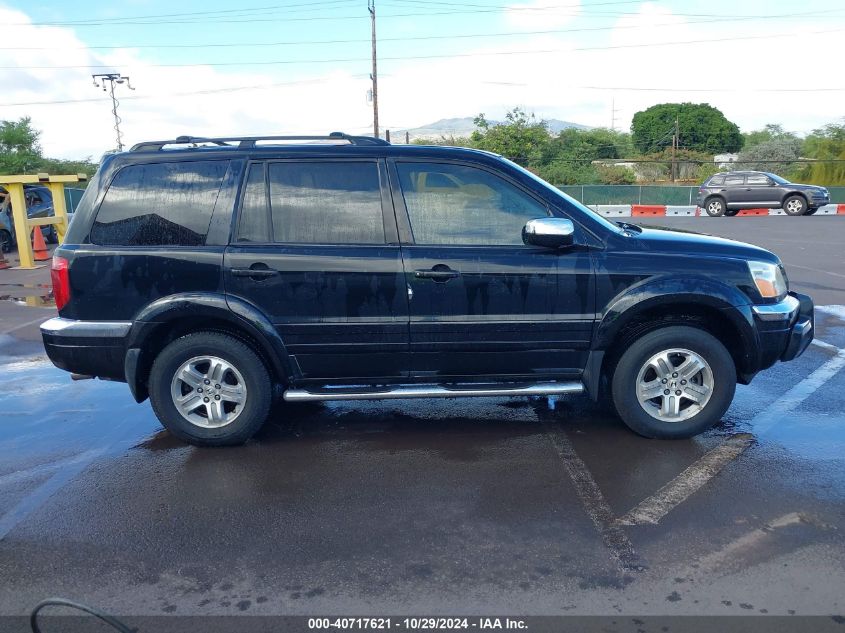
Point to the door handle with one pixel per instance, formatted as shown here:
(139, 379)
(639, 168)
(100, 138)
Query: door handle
(261, 271)
(439, 273)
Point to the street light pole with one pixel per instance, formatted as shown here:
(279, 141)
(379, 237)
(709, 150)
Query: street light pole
(112, 79)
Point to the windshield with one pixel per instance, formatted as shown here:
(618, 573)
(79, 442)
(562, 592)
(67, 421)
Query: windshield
(570, 200)
(778, 179)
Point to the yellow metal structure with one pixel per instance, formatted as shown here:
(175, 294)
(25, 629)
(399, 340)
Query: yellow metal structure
(23, 225)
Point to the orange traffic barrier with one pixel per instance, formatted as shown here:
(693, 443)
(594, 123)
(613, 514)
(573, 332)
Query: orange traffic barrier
(754, 212)
(39, 248)
(840, 209)
(648, 209)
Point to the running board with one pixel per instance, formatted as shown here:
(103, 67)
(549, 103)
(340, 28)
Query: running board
(432, 391)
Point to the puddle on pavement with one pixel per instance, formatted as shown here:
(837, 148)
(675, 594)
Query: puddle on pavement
(28, 295)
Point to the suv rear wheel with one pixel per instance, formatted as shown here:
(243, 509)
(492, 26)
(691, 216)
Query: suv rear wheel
(674, 382)
(210, 389)
(715, 207)
(795, 205)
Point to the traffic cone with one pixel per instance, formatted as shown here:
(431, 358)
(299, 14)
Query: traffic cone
(39, 248)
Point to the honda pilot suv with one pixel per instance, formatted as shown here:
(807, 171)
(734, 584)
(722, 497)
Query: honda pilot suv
(220, 276)
(730, 193)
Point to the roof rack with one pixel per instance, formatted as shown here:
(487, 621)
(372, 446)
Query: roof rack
(248, 142)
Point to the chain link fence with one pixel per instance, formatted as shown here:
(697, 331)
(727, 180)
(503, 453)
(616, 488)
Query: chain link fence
(651, 194)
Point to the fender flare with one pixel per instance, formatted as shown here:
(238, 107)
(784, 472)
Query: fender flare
(697, 290)
(237, 312)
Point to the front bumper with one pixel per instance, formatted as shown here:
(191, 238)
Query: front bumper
(91, 348)
(786, 328)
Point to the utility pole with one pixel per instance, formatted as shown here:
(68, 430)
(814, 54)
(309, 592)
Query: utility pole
(675, 140)
(371, 6)
(112, 79)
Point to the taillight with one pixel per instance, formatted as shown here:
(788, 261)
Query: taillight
(61, 281)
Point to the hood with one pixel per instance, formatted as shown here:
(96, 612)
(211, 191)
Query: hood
(682, 242)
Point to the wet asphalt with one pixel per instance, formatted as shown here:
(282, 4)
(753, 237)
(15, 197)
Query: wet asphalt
(477, 506)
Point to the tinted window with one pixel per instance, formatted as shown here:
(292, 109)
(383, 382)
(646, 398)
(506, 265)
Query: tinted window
(756, 179)
(717, 180)
(734, 180)
(326, 203)
(478, 208)
(254, 223)
(159, 204)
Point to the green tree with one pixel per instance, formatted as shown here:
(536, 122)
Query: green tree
(521, 137)
(20, 152)
(776, 156)
(770, 132)
(19, 148)
(701, 127)
(825, 144)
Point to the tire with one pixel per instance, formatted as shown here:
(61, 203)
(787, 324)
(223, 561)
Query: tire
(634, 368)
(715, 207)
(795, 206)
(731, 213)
(5, 241)
(244, 389)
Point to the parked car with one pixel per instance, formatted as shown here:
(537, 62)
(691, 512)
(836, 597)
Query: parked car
(210, 277)
(729, 193)
(39, 204)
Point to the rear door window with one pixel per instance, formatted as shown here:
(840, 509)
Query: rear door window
(734, 181)
(159, 204)
(331, 202)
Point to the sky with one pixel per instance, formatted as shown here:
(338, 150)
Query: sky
(262, 67)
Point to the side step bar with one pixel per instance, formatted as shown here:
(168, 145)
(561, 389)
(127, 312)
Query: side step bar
(432, 391)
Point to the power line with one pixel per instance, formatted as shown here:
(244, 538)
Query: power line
(436, 56)
(400, 39)
(218, 19)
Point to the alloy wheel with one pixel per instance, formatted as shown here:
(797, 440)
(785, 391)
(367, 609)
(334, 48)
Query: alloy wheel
(208, 391)
(674, 385)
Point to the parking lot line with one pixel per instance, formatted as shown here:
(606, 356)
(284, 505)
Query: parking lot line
(658, 505)
(775, 412)
(588, 491)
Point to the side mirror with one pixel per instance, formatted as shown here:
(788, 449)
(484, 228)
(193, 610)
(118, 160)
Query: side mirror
(549, 232)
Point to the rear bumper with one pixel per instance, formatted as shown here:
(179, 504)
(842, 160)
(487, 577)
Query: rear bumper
(786, 328)
(93, 348)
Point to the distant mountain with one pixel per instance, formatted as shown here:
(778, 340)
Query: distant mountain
(464, 126)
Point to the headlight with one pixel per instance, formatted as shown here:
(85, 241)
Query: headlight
(768, 278)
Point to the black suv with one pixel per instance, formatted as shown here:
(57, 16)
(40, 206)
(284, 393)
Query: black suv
(728, 194)
(216, 275)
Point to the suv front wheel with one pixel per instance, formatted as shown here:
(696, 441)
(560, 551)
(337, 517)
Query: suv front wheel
(210, 389)
(674, 382)
(795, 205)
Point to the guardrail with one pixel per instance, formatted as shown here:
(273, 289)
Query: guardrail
(23, 224)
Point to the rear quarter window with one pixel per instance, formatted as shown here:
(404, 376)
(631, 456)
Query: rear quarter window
(159, 204)
(716, 180)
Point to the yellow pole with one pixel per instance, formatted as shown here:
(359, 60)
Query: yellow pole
(59, 208)
(18, 200)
